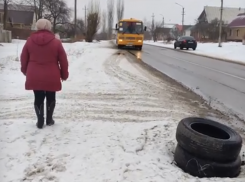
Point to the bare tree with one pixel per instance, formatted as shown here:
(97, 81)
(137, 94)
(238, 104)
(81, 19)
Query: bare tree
(69, 28)
(150, 29)
(104, 22)
(5, 12)
(93, 20)
(103, 33)
(120, 9)
(80, 27)
(210, 31)
(110, 17)
(38, 7)
(157, 31)
(153, 30)
(201, 28)
(57, 12)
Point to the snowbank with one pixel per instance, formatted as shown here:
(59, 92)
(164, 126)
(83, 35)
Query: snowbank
(233, 51)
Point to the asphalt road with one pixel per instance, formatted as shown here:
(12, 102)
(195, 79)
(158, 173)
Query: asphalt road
(215, 80)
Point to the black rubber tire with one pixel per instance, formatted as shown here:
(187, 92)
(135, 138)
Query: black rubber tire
(204, 168)
(174, 47)
(204, 145)
(181, 47)
(194, 49)
(140, 48)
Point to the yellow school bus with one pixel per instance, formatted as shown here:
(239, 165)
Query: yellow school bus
(130, 33)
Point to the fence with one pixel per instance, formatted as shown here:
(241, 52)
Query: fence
(19, 33)
(5, 35)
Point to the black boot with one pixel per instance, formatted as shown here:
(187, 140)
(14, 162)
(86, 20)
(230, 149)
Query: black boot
(40, 117)
(49, 111)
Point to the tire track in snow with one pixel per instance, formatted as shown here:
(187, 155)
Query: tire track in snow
(113, 69)
(136, 99)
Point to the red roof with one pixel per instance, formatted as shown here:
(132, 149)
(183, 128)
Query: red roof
(179, 27)
(239, 21)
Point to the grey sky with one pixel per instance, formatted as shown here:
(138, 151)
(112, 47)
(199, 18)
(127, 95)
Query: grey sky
(141, 9)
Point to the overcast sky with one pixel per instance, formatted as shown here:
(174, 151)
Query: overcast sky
(141, 9)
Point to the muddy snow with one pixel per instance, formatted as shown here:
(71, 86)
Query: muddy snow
(115, 121)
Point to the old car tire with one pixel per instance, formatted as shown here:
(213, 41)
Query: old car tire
(208, 139)
(205, 168)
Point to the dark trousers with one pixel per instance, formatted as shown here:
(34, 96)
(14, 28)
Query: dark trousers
(40, 96)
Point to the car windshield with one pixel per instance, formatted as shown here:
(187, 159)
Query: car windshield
(131, 27)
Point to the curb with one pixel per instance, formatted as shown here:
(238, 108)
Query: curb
(203, 55)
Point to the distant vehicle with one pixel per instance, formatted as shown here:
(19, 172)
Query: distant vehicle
(185, 42)
(130, 33)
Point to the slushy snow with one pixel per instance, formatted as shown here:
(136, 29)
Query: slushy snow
(233, 51)
(115, 122)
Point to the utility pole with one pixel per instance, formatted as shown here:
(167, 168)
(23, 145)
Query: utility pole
(183, 16)
(163, 22)
(162, 25)
(183, 20)
(152, 26)
(220, 23)
(75, 19)
(85, 16)
(153, 16)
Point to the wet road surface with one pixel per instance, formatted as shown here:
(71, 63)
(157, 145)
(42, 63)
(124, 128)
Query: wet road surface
(217, 81)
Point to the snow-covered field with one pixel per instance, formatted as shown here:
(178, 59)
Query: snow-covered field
(233, 51)
(115, 122)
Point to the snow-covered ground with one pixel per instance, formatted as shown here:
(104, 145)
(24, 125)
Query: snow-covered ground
(115, 121)
(233, 51)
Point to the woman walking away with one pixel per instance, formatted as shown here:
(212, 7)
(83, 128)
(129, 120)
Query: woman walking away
(44, 63)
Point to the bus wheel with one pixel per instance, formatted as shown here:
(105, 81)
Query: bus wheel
(119, 46)
(140, 48)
